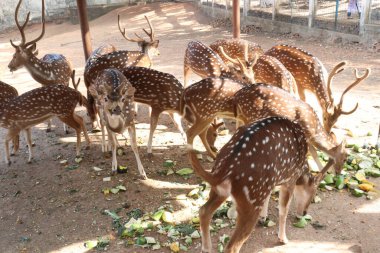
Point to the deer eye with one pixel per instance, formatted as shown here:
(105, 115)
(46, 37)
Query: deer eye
(106, 99)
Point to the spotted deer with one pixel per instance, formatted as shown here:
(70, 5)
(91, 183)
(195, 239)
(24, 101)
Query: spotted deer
(119, 59)
(259, 101)
(205, 100)
(8, 92)
(36, 106)
(271, 71)
(115, 101)
(258, 157)
(244, 50)
(161, 91)
(204, 62)
(311, 75)
(50, 69)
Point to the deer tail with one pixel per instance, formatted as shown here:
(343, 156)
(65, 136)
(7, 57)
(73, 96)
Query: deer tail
(198, 168)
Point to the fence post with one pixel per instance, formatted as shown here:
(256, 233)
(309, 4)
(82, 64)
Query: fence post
(226, 15)
(246, 6)
(312, 12)
(364, 16)
(276, 6)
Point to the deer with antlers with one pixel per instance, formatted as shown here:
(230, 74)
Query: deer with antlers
(258, 157)
(115, 100)
(119, 59)
(50, 69)
(259, 101)
(245, 51)
(35, 106)
(203, 61)
(311, 75)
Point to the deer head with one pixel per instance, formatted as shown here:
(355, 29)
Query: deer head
(241, 70)
(25, 50)
(115, 95)
(148, 47)
(335, 110)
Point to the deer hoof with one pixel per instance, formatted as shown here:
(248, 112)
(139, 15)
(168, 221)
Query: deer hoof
(48, 130)
(262, 220)
(9, 163)
(143, 177)
(284, 240)
(214, 149)
(87, 147)
(67, 132)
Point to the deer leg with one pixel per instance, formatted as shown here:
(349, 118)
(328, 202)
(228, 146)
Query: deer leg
(178, 123)
(245, 223)
(80, 121)
(16, 144)
(112, 139)
(75, 124)
(48, 129)
(132, 135)
(195, 130)
(153, 125)
(264, 211)
(205, 215)
(10, 135)
(286, 193)
(28, 136)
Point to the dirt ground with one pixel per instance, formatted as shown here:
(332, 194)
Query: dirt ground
(44, 207)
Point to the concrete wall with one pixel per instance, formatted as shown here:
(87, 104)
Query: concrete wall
(54, 9)
(369, 36)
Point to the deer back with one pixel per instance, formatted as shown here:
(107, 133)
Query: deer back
(7, 92)
(155, 88)
(203, 61)
(39, 104)
(236, 49)
(258, 157)
(271, 71)
(307, 70)
(209, 98)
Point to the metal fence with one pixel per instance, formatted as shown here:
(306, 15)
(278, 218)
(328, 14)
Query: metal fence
(336, 15)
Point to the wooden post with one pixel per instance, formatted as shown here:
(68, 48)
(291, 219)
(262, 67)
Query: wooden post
(85, 30)
(236, 19)
(312, 12)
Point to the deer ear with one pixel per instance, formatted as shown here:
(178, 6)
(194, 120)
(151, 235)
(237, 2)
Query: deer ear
(93, 91)
(131, 90)
(155, 43)
(32, 48)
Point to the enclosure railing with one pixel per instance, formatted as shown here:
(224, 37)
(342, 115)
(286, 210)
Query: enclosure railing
(346, 16)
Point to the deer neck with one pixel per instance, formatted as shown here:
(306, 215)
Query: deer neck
(322, 140)
(41, 71)
(139, 58)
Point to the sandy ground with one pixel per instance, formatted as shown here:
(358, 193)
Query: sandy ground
(57, 210)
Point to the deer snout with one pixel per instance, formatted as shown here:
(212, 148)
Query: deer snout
(116, 110)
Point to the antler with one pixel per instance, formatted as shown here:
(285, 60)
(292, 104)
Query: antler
(337, 69)
(356, 82)
(43, 26)
(151, 34)
(139, 39)
(236, 61)
(20, 28)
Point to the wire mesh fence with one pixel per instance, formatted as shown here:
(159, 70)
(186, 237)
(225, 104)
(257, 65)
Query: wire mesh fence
(337, 15)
